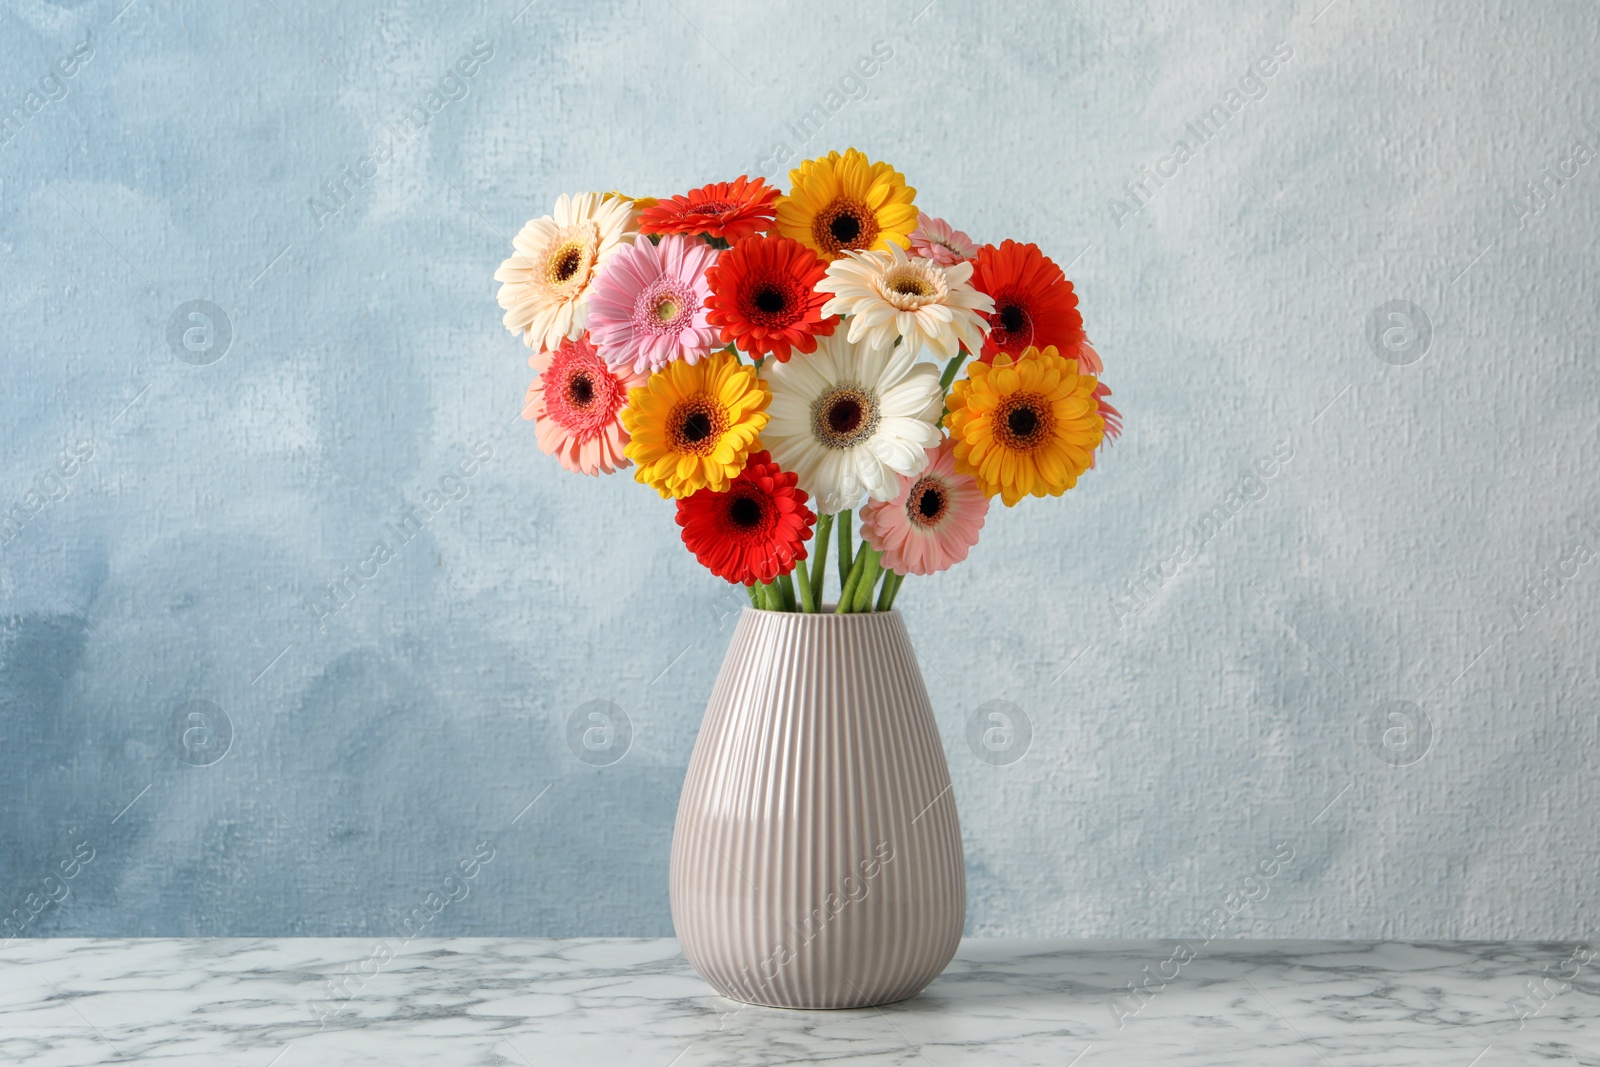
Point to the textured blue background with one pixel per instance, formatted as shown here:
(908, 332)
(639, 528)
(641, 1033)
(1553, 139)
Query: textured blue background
(1191, 708)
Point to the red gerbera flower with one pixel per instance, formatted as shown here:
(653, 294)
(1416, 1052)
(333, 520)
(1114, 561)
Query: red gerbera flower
(729, 210)
(764, 296)
(755, 529)
(1033, 302)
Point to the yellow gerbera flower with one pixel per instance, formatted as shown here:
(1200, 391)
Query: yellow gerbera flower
(842, 203)
(691, 427)
(1025, 427)
(639, 202)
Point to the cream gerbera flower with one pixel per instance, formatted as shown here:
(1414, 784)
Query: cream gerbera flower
(889, 294)
(849, 420)
(548, 279)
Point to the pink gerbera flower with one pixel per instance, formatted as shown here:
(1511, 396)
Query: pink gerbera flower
(932, 521)
(1112, 416)
(648, 306)
(1088, 359)
(576, 403)
(937, 240)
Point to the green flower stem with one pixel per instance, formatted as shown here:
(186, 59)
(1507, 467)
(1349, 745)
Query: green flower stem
(886, 594)
(894, 591)
(946, 379)
(950, 370)
(868, 579)
(786, 591)
(802, 586)
(847, 588)
(819, 556)
(769, 597)
(845, 561)
(755, 598)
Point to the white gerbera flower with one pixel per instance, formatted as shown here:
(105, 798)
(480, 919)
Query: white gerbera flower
(548, 279)
(848, 420)
(889, 295)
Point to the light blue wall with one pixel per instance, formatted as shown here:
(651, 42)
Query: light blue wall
(1184, 725)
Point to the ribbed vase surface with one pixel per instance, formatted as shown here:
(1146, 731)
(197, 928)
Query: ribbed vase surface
(816, 861)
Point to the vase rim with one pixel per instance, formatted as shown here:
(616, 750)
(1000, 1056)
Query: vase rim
(826, 612)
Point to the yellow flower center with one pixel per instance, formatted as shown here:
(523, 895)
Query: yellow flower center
(911, 286)
(666, 310)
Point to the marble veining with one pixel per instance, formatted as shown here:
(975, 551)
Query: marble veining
(287, 1002)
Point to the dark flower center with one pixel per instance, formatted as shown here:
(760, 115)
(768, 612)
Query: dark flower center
(846, 223)
(1022, 422)
(770, 299)
(745, 512)
(711, 207)
(696, 427)
(581, 390)
(566, 263)
(1013, 318)
(844, 415)
(927, 502)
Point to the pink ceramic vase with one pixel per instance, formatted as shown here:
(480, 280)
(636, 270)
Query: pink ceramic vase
(816, 861)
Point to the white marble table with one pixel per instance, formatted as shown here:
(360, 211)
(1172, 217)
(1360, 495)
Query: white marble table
(288, 1002)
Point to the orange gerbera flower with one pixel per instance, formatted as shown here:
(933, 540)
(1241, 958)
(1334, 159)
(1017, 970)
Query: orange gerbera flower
(1025, 427)
(731, 211)
(1034, 304)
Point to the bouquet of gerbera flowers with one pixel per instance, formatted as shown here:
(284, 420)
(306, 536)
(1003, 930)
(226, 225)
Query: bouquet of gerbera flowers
(758, 357)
